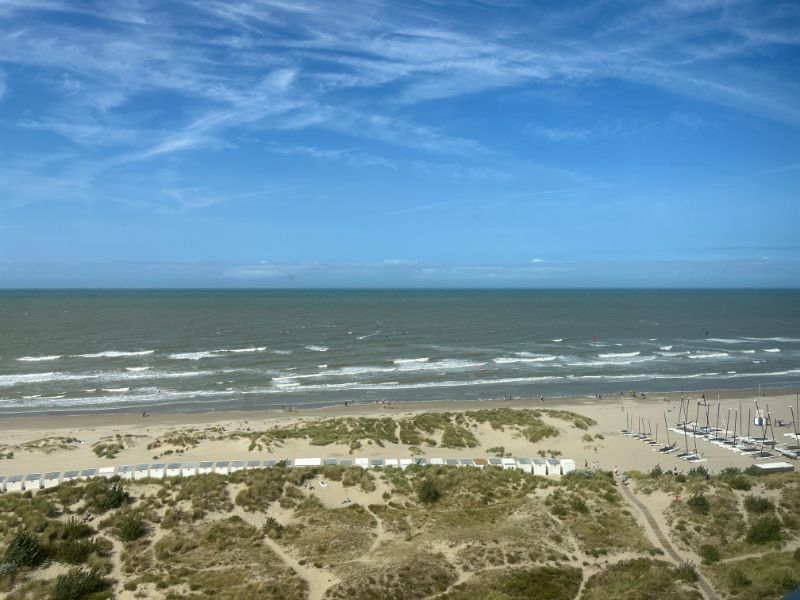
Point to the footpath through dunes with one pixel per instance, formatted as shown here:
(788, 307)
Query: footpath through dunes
(655, 533)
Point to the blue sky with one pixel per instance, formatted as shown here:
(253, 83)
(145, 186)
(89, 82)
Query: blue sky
(485, 143)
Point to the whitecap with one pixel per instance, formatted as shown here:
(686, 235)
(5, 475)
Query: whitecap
(772, 350)
(194, 355)
(404, 361)
(114, 390)
(317, 348)
(240, 350)
(137, 369)
(726, 341)
(501, 360)
(114, 354)
(703, 355)
(558, 340)
(619, 354)
(39, 358)
(666, 348)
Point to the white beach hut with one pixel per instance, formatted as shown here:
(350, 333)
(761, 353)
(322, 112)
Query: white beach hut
(308, 462)
(107, 472)
(253, 464)
(392, 462)
(141, 471)
(451, 462)
(509, 464)
(157, 471)
(189, 469)
(329, 462)
(125, 472)
(33, 481)
(567, 466)
(437, 461)
(14, 483)
(237, 465)
(481, 463)
(362, 462)
(205, 467)
(420, 461)
(525, 464)
(223, 467)
(173, 470)
(376, 463)
(70, 476)
(50, 480)
(539, 466)
(270, 462)
(345, 462)
(405, 462)
(2, 483)
(495, 462)
(88, 474)
(466, 462)
(553, 466)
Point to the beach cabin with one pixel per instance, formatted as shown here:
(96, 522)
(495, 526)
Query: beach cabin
(189, 469)
(157, 471)
(480, 462)
(270, 463)
(141, 472)
(451, 462)
(284, 462)
(420, 461)
(70, 476)
(539, 466)
(437, 461)
(525, 464)
(107, 472)
(2, 483)
(33, 481)
(205, 468)
(466, 462)
(405, 462)
(253, 464)
(567, 466)
(553, 466)
(774, 467)
(50, 480)
(223, 467)
(237, 465)
(88, 474)
(362, 462)
(495, 462)
(346, 462)
(14, 483)
(329, 462)
(508, 464)
(392, 462)
(376, 463)
(308, 462)
(125, 472)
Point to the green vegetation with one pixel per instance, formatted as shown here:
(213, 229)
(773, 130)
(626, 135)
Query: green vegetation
(709, 553)
(765, 529)
(542, 583)
(641, 578)
(758, 505)
(699, 503)
(102, 494)
(427, 492)
(771, 575)
(78, 584)
(131, 526)
(24, 551)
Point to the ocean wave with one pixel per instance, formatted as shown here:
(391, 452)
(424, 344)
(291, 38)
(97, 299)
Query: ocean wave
(39, 358)
(557, 340)
(705, 355)
(405, 361)
(194, 355)
(393, 385)
(282, 352)
(56, 376)
(502, 360)
(136, 369)
(114, 354)
(774, 339)
(748, 351)
(115, 390)
(440, 366)
(241, 350)
(619, 354)
(726, 340)
(610, 363)
(772, 350)
(666, 348)
(149, 397)
(317, 348)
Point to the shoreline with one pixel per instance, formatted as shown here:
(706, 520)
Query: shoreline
(123, 416)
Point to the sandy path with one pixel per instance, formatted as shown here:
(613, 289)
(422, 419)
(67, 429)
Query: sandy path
(654, 531)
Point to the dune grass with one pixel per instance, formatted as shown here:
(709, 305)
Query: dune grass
(641, 578)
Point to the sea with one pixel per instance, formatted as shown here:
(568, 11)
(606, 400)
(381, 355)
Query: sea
(202, 350)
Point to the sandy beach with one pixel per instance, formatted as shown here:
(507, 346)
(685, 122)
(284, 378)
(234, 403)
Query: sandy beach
(39, 443)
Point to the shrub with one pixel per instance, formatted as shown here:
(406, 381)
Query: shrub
(699, 471)
(578, 504)
(739, 579)
(756, 504)
(709, 553)
(74, 551)
(788, 582)
(77, 584)
(102, 495)
(686, 571)
(739, 482)
(680, 478)
(74, 529)
(273, 528)
(428, 492)
(699, 503)
(24, 551)
(765, 529)
(797, 554)
(131, 527)
(656, 472)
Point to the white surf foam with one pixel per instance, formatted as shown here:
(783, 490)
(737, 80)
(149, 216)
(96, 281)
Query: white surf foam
(406, 361)
(558, 340)
(774, 339)
(137, 369)
(113, 390)
(317, 348)
(772, 350)
(241, 350)
(194, 355)
(707, 355)
(39, 358)
(619, 354)
(666, 348)
(114, 354)
(726, 340)
(503, 360)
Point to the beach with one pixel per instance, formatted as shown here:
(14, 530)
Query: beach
(39, 443)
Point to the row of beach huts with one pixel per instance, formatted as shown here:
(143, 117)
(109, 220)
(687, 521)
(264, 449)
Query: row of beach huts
(38, 481)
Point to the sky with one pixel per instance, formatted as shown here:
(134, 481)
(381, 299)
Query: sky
(493, 143)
